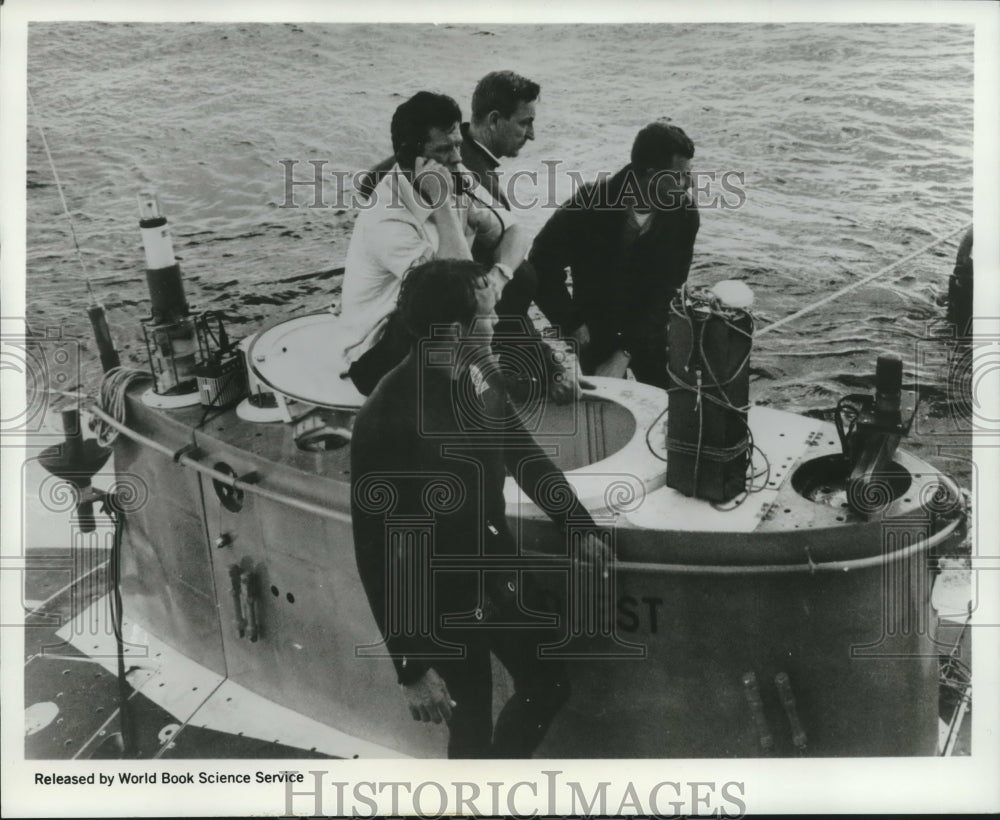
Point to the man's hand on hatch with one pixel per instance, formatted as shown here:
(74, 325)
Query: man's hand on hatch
(428, 698)
(566, 384)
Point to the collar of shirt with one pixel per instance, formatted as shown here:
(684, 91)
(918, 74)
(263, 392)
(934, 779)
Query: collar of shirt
(486, 151)
(639, 223)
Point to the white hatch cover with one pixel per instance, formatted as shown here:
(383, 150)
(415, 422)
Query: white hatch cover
(302, 359)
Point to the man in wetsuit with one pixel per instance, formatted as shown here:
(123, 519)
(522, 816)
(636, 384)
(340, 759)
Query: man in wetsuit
(437, 437)
(959, 296)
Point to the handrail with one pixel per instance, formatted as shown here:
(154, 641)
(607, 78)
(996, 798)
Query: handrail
(810, 567)
(184, 458)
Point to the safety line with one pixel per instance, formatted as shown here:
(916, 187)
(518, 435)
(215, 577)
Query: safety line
(837, 294)
(59, 188)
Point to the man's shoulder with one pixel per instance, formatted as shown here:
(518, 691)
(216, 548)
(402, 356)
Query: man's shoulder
(391, 404)
(388, 203)
(474, 157)
(684, 216)
(585, 209)
(368, 180)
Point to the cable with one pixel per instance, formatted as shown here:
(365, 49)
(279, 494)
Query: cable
(59, 188)
(114, 387)
(713, 390)
(838, 293)
(503, 225)
(652, 425)
(115, 599)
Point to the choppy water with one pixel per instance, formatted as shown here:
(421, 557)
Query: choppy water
(855, 142)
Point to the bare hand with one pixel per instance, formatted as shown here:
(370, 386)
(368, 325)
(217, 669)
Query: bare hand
(566, 385)
(428, 698)
(596, 551)
(614, 366)
(433, 181)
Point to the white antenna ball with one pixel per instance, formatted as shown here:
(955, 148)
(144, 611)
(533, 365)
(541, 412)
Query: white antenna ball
(733, 293)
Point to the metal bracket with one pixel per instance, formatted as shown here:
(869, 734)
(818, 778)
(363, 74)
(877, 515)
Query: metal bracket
(752, 693)
(784, 684)
(244, 592)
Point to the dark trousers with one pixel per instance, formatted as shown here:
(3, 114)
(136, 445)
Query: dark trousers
(381, 357)
(649, 366)
(541, 687)
(541, 684)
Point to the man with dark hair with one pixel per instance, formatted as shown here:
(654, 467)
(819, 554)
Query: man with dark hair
(503, 120)
(628, 241)
(505, 105)
(422, 428)
(417, 213)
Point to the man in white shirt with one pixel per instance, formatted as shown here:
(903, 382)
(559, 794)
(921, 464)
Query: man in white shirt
(416, 214)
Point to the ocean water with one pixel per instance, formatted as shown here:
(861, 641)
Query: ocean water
(854, 143)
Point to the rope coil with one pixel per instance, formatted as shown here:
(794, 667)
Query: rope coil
(719, 454)
(114, 388)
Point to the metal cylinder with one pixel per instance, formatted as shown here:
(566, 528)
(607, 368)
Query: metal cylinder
(163, 274)
(102, 335)
(709, 355)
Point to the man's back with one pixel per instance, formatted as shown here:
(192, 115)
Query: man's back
(388, 239)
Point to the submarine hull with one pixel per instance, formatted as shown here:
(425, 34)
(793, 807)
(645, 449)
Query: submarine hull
(782, 626)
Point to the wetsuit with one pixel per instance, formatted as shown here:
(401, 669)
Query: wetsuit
(435, 448)
(960, 287)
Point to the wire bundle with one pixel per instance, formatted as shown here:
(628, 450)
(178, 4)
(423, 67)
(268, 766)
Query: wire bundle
(114, 388)
(696, 310)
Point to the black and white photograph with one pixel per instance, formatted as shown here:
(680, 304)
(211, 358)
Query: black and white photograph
(485, 410)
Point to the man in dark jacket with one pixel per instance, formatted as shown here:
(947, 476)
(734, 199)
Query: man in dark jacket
(959, 297)
(628, 241)
(503, 120)
(430, 452)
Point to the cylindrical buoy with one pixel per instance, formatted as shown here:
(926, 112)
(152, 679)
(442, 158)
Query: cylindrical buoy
(709, 360)
(171, 339)
(163, 273)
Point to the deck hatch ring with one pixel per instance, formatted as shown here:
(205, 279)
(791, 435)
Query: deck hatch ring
(231, 497)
